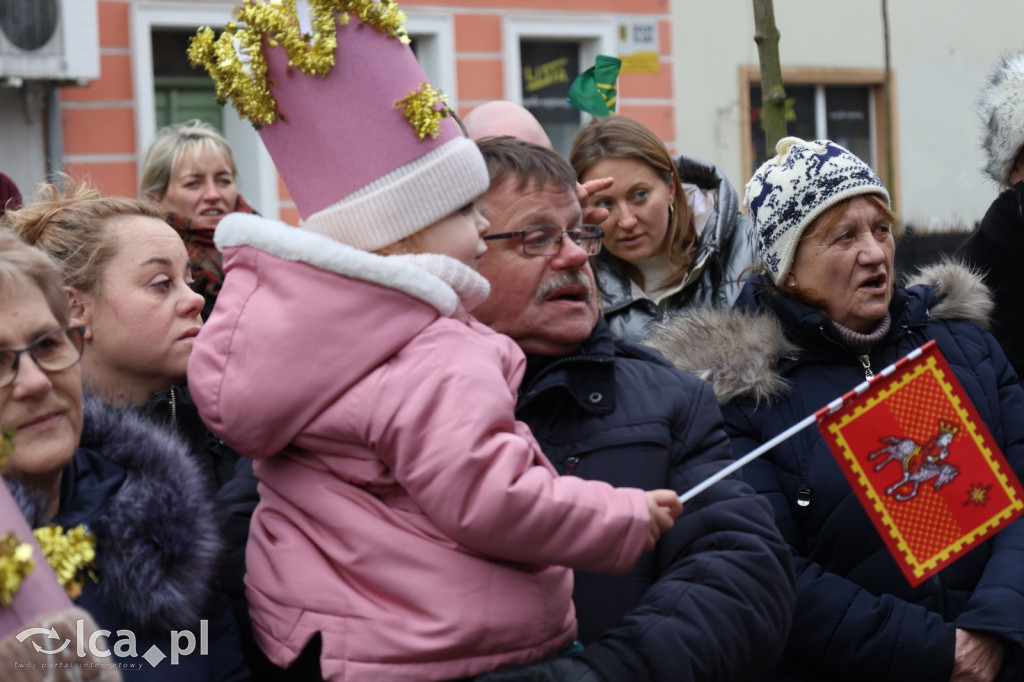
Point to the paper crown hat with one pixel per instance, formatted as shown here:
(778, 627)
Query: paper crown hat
(361, 139)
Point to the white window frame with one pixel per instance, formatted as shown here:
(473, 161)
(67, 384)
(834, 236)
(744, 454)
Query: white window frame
(435, 40)
(595, 35)
(258, 182)
(821, 117)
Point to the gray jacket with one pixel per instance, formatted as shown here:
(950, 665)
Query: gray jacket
(726, 247)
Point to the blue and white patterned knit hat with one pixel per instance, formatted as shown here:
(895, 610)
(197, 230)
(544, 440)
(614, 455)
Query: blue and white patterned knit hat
(789, 191)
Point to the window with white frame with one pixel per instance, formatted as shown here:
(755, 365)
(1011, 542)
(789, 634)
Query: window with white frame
(166, 93)
(543, 56)
(433, 42)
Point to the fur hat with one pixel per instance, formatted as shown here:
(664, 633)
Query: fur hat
(363, 143)
(789, 191)
(1002, 114)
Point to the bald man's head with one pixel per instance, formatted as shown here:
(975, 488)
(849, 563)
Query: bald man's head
(499, 117)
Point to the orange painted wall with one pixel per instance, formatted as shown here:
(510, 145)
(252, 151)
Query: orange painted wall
(477, 33)
(585, 6)
(99, 119)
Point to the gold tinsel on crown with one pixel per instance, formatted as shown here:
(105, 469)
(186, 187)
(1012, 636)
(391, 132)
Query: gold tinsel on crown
(15, 564)
(420, 108)
(72, 555)
(243, 79)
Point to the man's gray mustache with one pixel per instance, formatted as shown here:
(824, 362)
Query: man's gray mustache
(565, 279)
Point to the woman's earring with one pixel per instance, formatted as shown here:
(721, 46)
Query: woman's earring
(671, 211)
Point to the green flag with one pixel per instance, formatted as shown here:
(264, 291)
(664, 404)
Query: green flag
(594, 90)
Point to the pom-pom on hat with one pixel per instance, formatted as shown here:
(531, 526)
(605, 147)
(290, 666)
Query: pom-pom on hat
(790, 190)
(362, 141)
(1002, 113)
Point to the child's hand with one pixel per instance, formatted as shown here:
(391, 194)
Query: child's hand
(665, 508)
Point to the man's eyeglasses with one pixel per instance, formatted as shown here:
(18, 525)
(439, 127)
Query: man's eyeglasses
(52, 352)
(546, 240)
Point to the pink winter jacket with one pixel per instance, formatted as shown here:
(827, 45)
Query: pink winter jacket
(404, 513)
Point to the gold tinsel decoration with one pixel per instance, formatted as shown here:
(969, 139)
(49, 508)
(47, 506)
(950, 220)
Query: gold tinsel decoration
(72, 555)
(243, 79)
(420, 108)
(6, 444)
(16, 563)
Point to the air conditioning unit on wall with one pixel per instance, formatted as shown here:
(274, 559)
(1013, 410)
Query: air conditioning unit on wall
(49, 40)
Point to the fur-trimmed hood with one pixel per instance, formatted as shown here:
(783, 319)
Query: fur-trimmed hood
(739, 350)
(157, 538)
(1001, 109)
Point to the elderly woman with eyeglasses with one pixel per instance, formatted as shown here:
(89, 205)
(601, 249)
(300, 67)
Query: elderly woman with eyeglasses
(118, 494)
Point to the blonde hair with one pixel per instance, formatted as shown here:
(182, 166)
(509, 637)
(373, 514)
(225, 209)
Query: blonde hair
(22, 264)
(625, 138)
(170, 146)
(73, 227)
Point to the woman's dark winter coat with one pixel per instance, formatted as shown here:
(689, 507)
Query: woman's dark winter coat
(713, 600)
(175, 409)
(997, 250)
(773, 362)
(136, 488)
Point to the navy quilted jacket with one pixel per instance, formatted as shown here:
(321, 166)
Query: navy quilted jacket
(713, 601)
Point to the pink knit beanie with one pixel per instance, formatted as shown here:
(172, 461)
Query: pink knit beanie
(362, 141)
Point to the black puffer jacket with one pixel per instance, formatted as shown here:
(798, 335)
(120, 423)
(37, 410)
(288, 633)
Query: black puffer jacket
(714, 599)
(997, 249)
(775, 361)
(175, 409)
(724, 250)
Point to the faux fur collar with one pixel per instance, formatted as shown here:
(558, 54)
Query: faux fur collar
(738, 351)
(157, 539)
(303, 246)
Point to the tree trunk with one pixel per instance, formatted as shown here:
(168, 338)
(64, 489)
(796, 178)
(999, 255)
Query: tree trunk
(773, 94)
(890, 168)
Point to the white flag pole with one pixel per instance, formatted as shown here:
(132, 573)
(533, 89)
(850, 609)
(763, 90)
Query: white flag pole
(747, 459)
(799, 426)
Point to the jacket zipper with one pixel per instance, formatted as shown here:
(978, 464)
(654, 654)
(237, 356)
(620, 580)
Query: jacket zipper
(865, 361)
(174, 409)
(940, 597)
(570, 465)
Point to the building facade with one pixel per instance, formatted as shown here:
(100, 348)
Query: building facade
(925, 144)
(525, 50)
(690, 72)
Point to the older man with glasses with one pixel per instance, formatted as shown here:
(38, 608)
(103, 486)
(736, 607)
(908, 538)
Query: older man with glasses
(713, 601)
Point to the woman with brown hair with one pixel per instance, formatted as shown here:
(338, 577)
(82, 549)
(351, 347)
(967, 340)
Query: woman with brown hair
(674, 236)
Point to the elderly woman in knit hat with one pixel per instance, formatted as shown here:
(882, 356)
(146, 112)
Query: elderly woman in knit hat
(997, 247)
(827, 311)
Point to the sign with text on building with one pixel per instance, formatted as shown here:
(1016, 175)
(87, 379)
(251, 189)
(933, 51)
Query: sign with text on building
(638, 44)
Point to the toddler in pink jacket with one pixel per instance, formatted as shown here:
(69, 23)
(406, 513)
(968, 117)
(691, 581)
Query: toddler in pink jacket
(405, 517)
